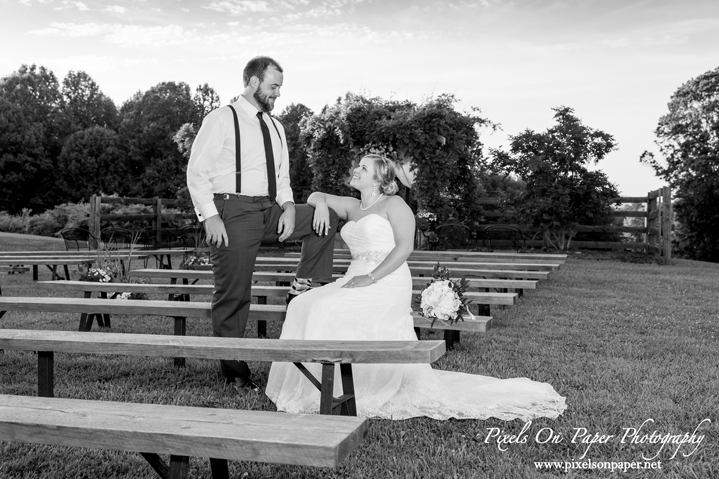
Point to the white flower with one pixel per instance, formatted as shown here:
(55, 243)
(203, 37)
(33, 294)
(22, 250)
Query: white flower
(440, 301)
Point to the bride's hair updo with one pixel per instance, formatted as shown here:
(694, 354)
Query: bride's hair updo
(384, 173)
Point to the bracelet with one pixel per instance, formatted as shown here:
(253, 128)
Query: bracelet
(372, 278)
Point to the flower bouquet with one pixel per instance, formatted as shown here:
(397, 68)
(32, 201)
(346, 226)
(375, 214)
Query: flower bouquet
(195, 259)
(97, 275)
(443, 298)
(130, 296)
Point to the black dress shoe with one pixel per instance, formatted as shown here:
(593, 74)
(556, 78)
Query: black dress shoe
(244, 385)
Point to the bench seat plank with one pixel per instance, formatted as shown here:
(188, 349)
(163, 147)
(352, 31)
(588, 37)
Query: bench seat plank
(190, 309)
(46, 261)
(208, 347)
(344, 261)
(421, 281)
(426, 268)
(464, 255)
(308, 440)
(207, 289)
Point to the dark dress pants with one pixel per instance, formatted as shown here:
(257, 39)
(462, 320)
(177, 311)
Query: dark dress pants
(250, 221)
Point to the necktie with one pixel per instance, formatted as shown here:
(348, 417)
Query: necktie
(269, 158)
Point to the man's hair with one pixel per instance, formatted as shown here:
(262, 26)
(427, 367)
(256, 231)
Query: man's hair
(257, 67)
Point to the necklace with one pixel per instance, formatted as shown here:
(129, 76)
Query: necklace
(370, 206)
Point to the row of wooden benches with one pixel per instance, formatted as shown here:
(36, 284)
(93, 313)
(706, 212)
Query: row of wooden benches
(219, 434)
(215, 433)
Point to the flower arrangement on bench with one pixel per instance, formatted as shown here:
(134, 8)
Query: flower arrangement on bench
(443, 298)
(195, 259)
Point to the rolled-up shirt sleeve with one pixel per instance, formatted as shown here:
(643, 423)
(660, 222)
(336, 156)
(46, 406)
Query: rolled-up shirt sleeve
(202, 166)
(284, 190)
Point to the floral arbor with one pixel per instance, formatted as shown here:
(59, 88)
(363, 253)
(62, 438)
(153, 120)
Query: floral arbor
(436, 150)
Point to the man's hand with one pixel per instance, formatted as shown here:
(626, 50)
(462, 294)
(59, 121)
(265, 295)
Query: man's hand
(286, 224)
(215, 231)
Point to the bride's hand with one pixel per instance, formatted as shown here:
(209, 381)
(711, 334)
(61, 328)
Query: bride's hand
(358, 282)
(321, 219)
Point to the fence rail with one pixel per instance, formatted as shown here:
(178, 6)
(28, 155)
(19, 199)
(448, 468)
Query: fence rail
(156, 218)
(656, 231)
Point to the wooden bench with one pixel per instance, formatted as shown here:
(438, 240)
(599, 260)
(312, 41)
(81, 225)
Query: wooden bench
(181, 310)
(452, 256)
(420, 271)
(343, 262)
(182, 292)
(51, 264)
(181, 432)
(187, 275)
(163, 256)
(326, 353)
(110, 252)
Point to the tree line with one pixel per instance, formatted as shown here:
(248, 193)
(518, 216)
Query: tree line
(65, 141)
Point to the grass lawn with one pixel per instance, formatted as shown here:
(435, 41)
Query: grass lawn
(627, 343)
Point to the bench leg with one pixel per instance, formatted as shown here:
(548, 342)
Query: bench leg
(450, 337)
(45, 380)
(103, 320)
(180, 330)
(34, 272)
(67, 272)
(156, 462)
(348, 406)
(261, 324)
(219, 469)
(327, 389)
(179, 467)
(345, 404)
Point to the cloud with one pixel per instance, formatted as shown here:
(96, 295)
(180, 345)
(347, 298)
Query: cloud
(237, 7)
(79, 5)
(71, 30)
(134, 36)
(125, 35)
(115, 9)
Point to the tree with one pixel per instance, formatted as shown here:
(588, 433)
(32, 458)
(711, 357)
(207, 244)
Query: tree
(560, 191)
(91, 163)
(148, 123)
(85, 105)
(206, 99)
(688, 139)
(300, 172)
(436, 147)
(30, 138)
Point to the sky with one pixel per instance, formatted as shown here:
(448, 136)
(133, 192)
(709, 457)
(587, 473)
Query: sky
(615, 62)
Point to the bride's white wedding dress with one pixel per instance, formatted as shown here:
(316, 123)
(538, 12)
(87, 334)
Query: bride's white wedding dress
(382, 312)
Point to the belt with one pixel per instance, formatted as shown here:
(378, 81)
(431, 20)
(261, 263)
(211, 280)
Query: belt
(239, 197)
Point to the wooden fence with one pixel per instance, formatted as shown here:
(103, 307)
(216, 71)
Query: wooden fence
(655, 233)
(156, 218)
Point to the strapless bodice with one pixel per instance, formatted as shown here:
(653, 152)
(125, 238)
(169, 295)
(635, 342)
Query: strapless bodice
(369, 239)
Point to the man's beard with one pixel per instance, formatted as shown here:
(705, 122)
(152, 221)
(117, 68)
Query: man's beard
(263, 101)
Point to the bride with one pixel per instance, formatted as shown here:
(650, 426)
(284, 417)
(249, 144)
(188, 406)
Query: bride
(373, 302)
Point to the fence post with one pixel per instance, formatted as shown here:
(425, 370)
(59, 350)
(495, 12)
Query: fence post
(667, 225)
(95, 219)
(158, 220)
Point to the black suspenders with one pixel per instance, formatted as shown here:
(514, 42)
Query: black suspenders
(238, 152)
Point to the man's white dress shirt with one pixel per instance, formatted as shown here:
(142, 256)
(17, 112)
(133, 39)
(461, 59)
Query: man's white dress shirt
(212, 160)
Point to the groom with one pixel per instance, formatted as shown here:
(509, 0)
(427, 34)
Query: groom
(238, 177)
